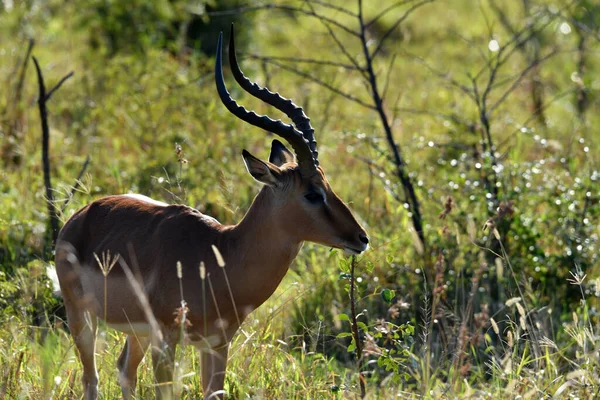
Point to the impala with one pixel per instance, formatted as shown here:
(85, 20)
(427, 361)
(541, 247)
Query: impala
(296, 204)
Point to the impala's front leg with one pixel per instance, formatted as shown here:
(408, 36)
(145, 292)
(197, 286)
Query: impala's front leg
(214, 362)
(132, 355)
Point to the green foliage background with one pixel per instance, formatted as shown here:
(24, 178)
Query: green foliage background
(143, 82)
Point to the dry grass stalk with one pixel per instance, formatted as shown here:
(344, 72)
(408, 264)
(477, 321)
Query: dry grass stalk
(221, 263)
(106, 264)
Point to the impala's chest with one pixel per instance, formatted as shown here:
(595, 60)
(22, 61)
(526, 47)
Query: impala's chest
(260, 275)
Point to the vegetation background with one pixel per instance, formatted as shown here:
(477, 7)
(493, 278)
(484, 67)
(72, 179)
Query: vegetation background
(492, 106)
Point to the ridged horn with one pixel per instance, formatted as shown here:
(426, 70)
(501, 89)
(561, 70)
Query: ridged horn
(294, 137)
(293, 111)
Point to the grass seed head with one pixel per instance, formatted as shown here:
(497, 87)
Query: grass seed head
(202, 270)
(218, 256)
(179, 270)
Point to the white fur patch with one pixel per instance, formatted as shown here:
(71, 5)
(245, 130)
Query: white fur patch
(51, 273)
(146, 199)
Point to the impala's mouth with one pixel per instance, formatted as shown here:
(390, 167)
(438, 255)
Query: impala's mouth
(351, 251)
(355, 252)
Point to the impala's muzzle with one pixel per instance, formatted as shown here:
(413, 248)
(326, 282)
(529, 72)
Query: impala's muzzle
(358, 246)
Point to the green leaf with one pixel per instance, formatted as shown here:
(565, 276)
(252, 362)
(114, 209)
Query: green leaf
(343, 335)
(388, 295)
(351, 347)
(362, 326)
(343, 264)
(343, 317)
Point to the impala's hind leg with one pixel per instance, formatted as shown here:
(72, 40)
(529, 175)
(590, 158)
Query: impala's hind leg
(214, 362)
(131, 356)
(83, 329)
(163, 359)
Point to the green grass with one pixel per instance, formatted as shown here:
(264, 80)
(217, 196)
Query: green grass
(128, 111)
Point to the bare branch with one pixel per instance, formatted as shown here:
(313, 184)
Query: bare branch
(21, 79)
(387, 10)
(320, 83)
(452, 117)
(304, 60)
(310, 13)
(397, 23)
(399, 162)
(342, 47)
(52, 214)
(387, 77)
(503, 18)
(518, 80)
(444, 75)
(58, 85)
(333, 7)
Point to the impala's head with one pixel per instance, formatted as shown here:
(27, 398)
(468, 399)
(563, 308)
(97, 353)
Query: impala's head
(307, 206)
(297, 184)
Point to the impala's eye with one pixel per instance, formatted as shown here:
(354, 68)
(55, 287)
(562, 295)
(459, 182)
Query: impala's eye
(314, 197)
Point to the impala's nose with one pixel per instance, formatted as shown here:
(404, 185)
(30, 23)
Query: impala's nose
(363, 238)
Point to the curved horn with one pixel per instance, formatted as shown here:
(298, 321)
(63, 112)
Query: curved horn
(296, 113)
(284, 105)
(294, 137)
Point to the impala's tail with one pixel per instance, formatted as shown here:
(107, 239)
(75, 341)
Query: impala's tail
(51, 274)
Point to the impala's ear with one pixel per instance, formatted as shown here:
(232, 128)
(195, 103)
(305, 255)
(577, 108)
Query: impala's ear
(263, 172)
(280, 154)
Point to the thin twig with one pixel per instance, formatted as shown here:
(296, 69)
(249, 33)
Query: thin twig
(387, 77)
(444, 75)
(304, 60)
(21, 79)
(357, 342)
(518, 80)
(58, 85)
(396, 24)
(332, 6)
(76, 186)
(342, 47)
(283, 8)
(387, 10)
(452, 117)
(321, 83)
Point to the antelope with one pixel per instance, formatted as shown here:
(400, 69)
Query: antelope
(228, 270)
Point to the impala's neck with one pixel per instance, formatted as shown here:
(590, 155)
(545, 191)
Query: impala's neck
(265, 246)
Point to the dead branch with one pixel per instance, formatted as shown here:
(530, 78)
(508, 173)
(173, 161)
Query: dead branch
(386, 10)
(314, 79)
(305, 61)
(309, 13)
(342, 48)
(396, 24)
(42, 100)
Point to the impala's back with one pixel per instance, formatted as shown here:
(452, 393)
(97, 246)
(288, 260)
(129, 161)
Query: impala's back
(147, 237)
